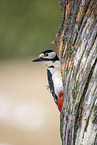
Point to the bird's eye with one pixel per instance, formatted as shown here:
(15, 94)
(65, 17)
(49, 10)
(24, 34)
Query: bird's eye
(46, 54)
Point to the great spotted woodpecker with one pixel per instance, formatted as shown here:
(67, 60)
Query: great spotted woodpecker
(51, 61)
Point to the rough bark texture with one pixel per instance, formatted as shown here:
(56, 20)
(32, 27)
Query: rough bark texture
(76, 42)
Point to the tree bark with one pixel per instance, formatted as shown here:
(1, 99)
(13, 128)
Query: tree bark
(76, 42)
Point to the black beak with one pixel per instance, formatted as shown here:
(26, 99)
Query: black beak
(37, 59)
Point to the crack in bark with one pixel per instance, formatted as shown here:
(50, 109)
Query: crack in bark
(87, 121)
(95, 113)
(81, 24)
(95, 142)
(80, 108)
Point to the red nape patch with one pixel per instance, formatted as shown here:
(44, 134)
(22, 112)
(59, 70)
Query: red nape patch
(60, 100)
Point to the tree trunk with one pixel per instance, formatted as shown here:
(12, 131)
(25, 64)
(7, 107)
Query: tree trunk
(76, 42)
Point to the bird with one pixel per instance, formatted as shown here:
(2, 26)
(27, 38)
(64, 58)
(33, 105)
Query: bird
(50, 60)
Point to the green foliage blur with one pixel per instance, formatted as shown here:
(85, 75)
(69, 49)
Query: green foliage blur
(27, 27)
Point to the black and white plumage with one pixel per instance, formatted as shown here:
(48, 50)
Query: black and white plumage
(51, 61)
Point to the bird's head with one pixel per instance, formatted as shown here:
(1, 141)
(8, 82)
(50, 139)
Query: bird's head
(47, 58)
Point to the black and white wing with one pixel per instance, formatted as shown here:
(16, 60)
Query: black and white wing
(51, 86)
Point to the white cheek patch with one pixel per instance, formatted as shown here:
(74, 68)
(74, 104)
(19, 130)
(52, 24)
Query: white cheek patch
(52, 54)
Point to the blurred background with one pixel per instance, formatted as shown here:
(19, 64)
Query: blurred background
(28, 114)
